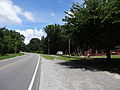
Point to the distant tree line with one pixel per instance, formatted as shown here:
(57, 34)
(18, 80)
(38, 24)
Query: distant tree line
(36, 45)
(10, 41)
(55, 41)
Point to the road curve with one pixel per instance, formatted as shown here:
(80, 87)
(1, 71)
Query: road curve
(20, 73)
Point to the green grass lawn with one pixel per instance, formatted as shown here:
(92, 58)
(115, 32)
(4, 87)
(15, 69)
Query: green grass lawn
(52, 57)
(112, 56)
(10, 56)
(115, 56)
(49, 57)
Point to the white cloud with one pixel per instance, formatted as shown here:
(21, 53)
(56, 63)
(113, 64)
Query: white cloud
(29, 16)
(31, 33)
(10, 13)
(52, 14)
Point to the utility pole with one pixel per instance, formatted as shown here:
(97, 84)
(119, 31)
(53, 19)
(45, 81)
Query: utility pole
(48, 45)
(15, 42)
(69, 47)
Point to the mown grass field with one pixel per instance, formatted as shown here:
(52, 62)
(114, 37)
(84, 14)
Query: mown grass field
(65, 58)
(10, 56)
(112, 56)
(52, 57)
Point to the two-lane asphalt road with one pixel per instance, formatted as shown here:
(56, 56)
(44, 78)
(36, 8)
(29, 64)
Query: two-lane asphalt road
(20, 73)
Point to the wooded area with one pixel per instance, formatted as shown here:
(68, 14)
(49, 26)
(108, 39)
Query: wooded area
(10, 41)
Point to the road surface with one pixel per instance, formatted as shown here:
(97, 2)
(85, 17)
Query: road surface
(31, 72)
(20, 73)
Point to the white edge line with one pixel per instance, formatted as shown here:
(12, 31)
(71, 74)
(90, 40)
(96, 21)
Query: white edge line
(33, 78)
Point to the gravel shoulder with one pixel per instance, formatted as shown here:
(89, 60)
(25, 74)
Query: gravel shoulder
(59, 77)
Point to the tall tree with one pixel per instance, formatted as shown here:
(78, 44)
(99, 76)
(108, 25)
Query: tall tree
(10, 41)
(34, 44)
(55, 39)
(95, 24)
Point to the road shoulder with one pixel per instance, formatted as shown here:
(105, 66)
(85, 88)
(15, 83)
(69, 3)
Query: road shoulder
(57, 77)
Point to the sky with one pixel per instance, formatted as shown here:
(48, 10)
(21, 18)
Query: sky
(28, 17)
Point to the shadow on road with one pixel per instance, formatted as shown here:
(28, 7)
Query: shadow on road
(98, 64)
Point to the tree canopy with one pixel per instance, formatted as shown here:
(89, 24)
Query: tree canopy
(10, 41)
(95, 24)
(55, 40)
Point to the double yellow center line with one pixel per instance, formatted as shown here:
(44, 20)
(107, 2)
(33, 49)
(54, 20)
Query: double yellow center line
(8, 65)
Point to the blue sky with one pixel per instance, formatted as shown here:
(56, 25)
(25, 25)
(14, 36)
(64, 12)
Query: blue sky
(25, 15)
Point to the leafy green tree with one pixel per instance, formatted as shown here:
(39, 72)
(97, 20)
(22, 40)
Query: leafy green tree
(2, 42)
(34, 44)
(95, 24)
(43, 47)
(10, 41)
(55, 40)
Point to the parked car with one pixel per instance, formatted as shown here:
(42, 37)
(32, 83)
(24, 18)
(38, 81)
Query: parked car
(59, 52)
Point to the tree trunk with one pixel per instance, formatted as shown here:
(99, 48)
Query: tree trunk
(108, 54)
(78, 53)
(48, 45)
(15, 48)
(69, 48)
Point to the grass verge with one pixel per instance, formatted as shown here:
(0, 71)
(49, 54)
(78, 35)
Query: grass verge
(10, 56)
(49, 57)
(52, 57)
(112, 56)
